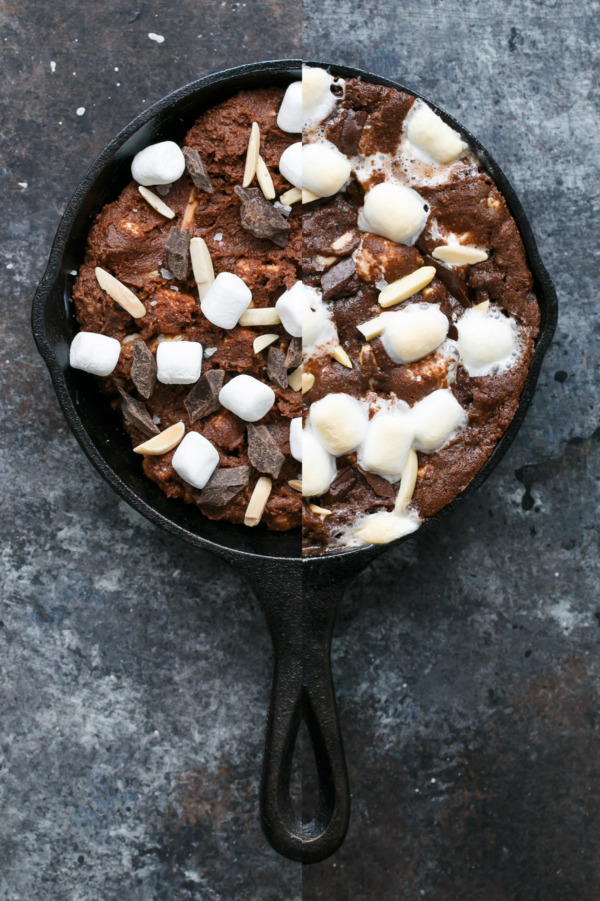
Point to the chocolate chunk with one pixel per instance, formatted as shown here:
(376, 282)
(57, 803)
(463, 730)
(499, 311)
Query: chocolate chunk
(451, 280)
(163, 190)
(136, 414)
(340, 280)
(223, 485)
(197, 170)
(381, 487)
(263, 450)
(177, 252)
(204, 396)
(293, 356)
(260, 218)
(143, 369)
(276, 368)
(352, 130)
(344, 482)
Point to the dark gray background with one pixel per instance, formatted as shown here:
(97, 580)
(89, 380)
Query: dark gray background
(134, 672)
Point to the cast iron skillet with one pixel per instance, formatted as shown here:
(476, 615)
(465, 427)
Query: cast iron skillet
(300, 597)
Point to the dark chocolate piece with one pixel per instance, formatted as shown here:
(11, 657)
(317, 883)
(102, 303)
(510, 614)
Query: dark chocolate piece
(293, 357)
(260, 218)
(344, 482)
(136, 414)
(223, 485)
(197, 170)
(143, 369)
(352, 129)
(340, 280)
(177, 252)
(381, 487)
(263, 450)
(204, 396)
(276, 368)
(451, 280)
(163, 190)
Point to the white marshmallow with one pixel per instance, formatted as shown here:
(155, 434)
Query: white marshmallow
(314, 325)
(325, 170)
(195, 459)
(159, 164)
(339, 422)
(94, 353)
(383, 527)
(289, 117)
(178, 362)
(317, 99)
(414, 332)
(435, 419)
(226, 299)
(247, 397)
(318, 467)
(393, 211)
(290, 164)
(431, 134)
(296, 438)
(486, 341)
(387, 444)
(291, 306)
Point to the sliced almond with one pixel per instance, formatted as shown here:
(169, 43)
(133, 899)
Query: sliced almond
(156, 203)
(403, 288)
(295, 484)
(252, 155)
(374, 327)
(295, 379)
(162, 338)
(408, 482)
(308, 196)
(260, 316)
(263, 341)
(258, 502)
(460, 254)
(190, 209)
(308, 381)
(483, 307)
(202, 265)
(120, 294)
(162, 443)
(338, 353)
(290, 197)
(134, 228)
(320, 511)
(494, 203)
(263, 177)
(325, 262)
(129, 338)
(342, 241)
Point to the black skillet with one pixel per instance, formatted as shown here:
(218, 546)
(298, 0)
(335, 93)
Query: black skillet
(300, 597)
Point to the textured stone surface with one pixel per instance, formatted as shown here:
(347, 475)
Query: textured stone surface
(134, 673)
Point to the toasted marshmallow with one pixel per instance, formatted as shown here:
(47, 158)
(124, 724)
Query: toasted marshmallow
(289, 117)
(325, 170)
(317, 99)
(226, 299)
(195, 459)
(296, 438)
(383, 527)
(318, 467)
(435, 419)
(247, 397)
(290, 164)
(159, 164)
(387, 444)
(178, 362)
(291, 305)
(339, 422)
(486, 341)
(432, 135)
(94, 353)
(414, 332)
(395, 212)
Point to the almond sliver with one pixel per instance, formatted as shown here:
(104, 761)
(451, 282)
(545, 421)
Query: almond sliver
(120, 294)
(460, 254)
(162, 443)
(252, 155)
(156, 203)
(202, 265)
(403, 288)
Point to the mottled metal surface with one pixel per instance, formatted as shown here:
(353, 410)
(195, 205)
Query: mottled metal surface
(134, 673)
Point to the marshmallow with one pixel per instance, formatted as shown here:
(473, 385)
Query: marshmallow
(94, 353)
(429, 133)
(318, 467)
(290, 164)
(247, 397)
(395, 212)
(159, 164)
(178, 362)
(325, 170)
(435, 419)
(315, 325)
(195, 459)
(414, 332)
(486, 341)
(387, 444)
(289, 117)
(296, 438)
(382, 527)
(339, 422)
(291, 305)
(317, 99)
(226, 299)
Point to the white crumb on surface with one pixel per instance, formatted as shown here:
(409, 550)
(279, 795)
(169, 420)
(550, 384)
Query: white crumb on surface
(156, 37)
(80, 110)
(52, 66)
(22, 184)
